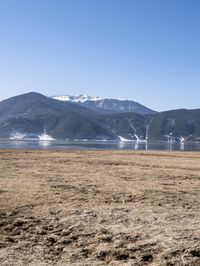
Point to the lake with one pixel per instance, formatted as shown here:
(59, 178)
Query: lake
(97, 145)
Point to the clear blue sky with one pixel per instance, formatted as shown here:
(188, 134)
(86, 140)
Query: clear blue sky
(144, 50)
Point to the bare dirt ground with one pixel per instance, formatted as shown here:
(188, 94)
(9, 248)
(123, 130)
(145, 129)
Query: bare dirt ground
(99, 208)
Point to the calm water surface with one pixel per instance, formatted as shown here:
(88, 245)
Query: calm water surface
(95, 145)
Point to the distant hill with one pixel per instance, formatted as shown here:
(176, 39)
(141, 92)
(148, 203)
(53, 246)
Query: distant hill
(106, 106)
(34, 115)
(179, 125)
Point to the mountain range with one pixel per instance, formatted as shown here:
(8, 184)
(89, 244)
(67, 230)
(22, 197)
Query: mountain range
(35, 116)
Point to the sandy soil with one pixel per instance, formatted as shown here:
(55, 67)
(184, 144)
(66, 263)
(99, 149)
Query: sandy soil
(99, 208)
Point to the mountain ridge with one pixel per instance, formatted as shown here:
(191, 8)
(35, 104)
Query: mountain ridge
(33, 115)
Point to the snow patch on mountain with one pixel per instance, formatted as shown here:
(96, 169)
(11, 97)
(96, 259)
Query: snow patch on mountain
(76, 99)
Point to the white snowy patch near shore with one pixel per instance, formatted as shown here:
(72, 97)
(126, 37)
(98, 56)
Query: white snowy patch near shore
(18, 136)
(123, 139)
(45, 137)
(138, 140)
(25, 136)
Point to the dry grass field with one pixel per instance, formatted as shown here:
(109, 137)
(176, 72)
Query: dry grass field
(99, 208)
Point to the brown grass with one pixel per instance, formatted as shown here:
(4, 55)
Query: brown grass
(99, 208)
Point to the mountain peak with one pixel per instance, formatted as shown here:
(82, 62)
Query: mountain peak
(104, 105)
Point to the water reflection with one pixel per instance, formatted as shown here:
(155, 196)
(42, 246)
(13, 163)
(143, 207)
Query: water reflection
(182, 146)
(166, 146)
(95, 145)
(170, 145)
(45, 143)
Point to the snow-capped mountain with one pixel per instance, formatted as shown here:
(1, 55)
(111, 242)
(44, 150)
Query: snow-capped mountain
(35, 116)
(106, 106)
